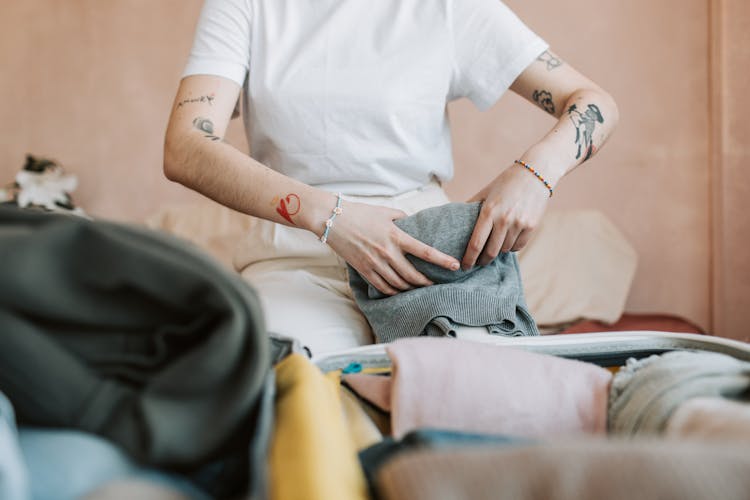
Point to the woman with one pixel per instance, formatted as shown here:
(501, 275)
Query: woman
(349, 96)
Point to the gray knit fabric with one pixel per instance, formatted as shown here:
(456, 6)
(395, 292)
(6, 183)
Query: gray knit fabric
(490, 296)
(646, 392)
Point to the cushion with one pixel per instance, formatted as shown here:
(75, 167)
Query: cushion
(577, 265)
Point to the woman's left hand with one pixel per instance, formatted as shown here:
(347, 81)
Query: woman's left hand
(513, 204)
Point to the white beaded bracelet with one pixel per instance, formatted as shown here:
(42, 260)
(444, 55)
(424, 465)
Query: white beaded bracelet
(329, 223)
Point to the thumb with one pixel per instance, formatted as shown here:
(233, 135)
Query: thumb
(480, 196)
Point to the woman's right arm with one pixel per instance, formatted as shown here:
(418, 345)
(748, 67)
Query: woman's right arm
(196, 156)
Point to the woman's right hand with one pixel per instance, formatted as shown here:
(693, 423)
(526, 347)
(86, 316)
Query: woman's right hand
(366, 237)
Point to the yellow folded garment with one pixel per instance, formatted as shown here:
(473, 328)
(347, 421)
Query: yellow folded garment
(312, 453)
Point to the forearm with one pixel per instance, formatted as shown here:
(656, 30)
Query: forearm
(587, 119)
(217, 170)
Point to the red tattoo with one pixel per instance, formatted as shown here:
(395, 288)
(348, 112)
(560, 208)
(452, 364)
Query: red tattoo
(289, 206)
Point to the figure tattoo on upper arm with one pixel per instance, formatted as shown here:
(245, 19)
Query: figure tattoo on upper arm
(207, 126)
(544, 99)
(551, 61)
(585, 122)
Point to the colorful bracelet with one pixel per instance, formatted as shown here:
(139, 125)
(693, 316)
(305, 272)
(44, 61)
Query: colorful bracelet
(329, 223)
(531, 169)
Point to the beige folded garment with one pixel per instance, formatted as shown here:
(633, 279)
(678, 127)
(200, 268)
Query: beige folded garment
(587, 470)
(577, 265)
(712, 419)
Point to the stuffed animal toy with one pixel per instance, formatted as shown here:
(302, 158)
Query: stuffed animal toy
(42, 183)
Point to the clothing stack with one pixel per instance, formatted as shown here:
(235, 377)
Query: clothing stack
(443, 418)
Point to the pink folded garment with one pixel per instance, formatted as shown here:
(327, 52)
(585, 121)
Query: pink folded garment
(714, 419)
(474, 387)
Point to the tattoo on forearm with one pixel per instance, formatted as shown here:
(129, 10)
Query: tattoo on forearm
(287, 206)
(544, 99)
(206, 126)
(585, 122)
(551, 61)
(204, 98)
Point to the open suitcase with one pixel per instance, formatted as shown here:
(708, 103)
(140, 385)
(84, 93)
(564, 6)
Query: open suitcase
(331, 426)
(608, 350)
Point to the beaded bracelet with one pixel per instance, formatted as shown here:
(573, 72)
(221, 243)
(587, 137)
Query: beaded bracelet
(531, 169)
(329, 223)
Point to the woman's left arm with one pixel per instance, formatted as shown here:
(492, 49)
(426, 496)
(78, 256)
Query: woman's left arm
(513, 203)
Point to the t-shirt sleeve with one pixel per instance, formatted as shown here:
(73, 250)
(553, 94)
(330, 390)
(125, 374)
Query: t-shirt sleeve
(222, 41)
(492, 47)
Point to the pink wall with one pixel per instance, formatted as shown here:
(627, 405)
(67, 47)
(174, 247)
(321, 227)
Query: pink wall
(90, 83)
(730, 159)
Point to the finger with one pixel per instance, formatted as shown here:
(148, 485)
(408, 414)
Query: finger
(511, 236)
(378, 282)
(406, 270)
(482, 230)
(411, 245)
(522, 240)
(493, 245)
(392, 278)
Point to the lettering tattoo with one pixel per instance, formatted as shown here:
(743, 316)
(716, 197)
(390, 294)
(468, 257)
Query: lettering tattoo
(206, 126)
(204, 98)
(585, 123)
(544, 99)
(551, 61)
(287, 206)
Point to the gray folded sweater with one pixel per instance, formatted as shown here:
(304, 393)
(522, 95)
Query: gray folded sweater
(646, 392)
(489, 296)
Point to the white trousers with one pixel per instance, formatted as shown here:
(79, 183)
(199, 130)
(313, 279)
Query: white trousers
(303, 285)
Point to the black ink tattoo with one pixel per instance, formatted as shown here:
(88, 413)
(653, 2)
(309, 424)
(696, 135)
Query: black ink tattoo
(544, 99)
(204, 98)
(552, 61)
(207, 126)
(585, 123)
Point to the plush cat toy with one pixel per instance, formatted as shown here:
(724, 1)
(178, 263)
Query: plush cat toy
(43, 184)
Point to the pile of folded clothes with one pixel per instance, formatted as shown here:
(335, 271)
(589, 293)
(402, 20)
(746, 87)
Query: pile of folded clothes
(439, 418)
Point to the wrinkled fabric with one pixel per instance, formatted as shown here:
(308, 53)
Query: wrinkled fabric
(581, 470)
(489, 296)
(128, 334)
(66, 465)
(379, 454)
(356, 101)
(712, 419)
(14, 480)
(646, 392)
(312, 454)
(468, 386)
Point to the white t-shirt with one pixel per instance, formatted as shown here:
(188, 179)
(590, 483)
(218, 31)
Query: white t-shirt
(351, 95)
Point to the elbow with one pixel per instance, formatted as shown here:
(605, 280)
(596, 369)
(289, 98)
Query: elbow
(613, 110)
(609, 109)
(602, 99)
(172, 166)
